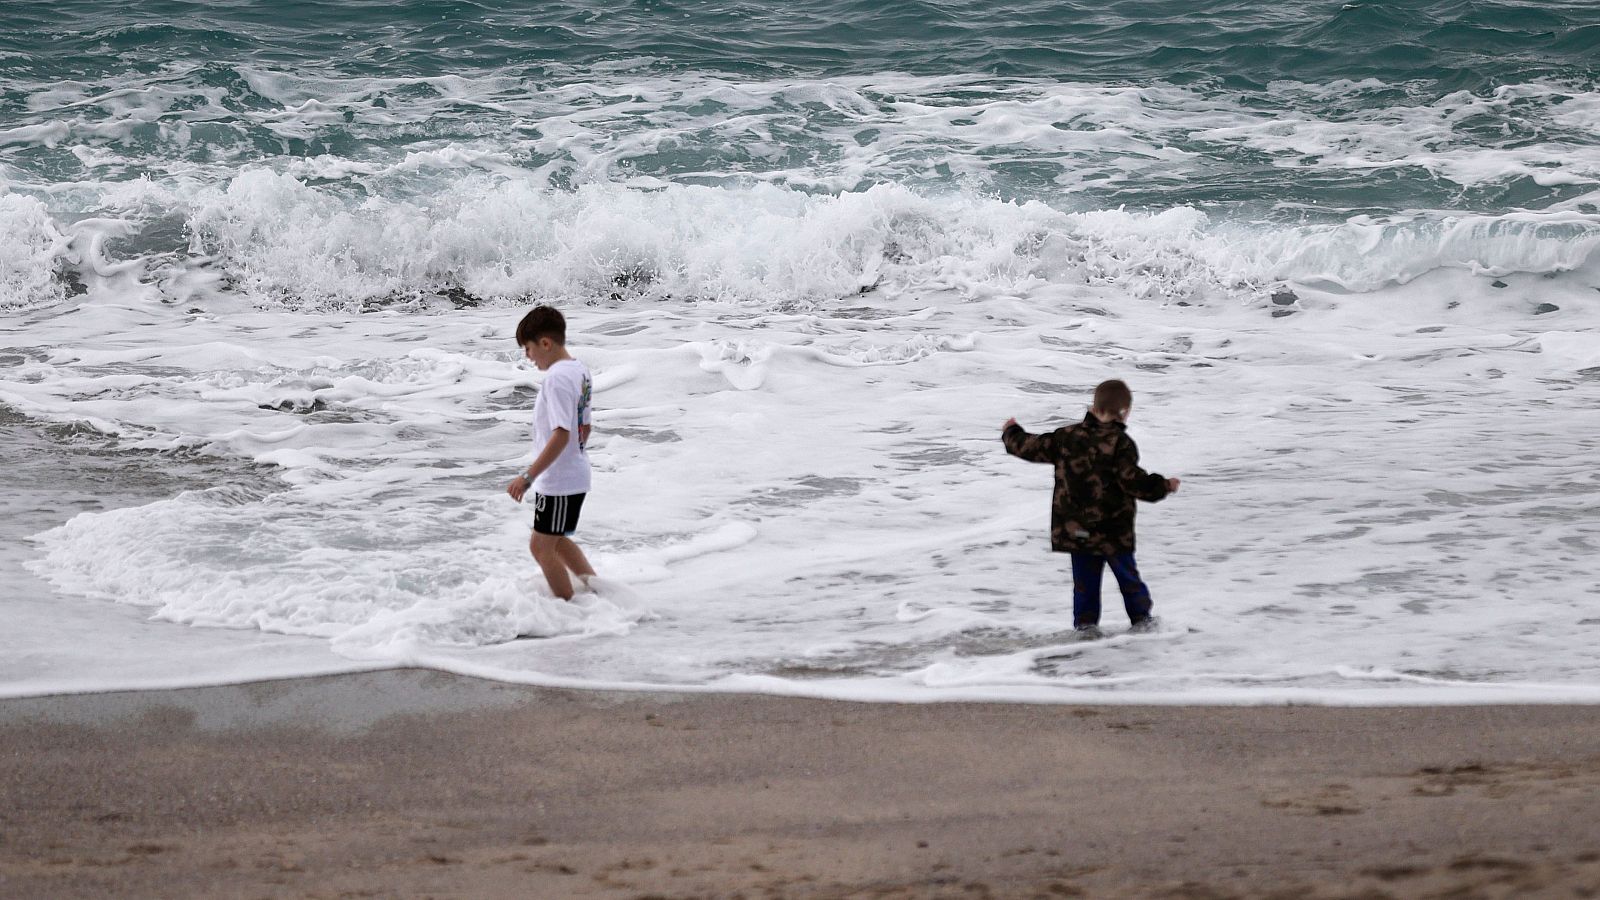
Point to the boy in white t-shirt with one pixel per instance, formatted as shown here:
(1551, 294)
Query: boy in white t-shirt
(559, 475)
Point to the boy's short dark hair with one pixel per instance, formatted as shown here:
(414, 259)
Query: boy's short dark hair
(1113, 397)
(542, 322)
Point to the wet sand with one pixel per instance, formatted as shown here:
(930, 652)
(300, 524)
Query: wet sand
(416, 784)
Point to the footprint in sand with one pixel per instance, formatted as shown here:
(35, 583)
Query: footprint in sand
(1329, 800)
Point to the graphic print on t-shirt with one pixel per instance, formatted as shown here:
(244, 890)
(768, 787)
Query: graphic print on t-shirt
(583, 407)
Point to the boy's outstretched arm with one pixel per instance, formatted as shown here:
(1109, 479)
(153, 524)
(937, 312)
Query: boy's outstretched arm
(1040, 448)
(1135, 480)
(558, 442)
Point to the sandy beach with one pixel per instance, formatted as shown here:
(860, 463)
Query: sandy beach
(417, 784)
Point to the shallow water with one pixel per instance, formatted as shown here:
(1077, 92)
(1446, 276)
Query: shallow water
(1377, 496)
(271, 294)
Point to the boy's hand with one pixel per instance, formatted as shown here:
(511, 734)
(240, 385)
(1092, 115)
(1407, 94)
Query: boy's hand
(1172, 485)
(1009, 422)
(518, 487)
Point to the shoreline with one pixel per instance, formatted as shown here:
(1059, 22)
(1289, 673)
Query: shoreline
(1421, 693)
(412, 782)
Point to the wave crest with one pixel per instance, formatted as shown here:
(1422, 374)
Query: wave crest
(32, 254)
(487, 239)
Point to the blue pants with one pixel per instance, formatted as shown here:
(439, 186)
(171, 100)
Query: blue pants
(1086, 571)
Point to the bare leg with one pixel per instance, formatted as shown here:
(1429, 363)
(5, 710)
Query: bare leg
(572, 556)
(546, 552)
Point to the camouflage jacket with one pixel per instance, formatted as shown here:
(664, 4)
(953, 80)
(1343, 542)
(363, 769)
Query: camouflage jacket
(1097, 480)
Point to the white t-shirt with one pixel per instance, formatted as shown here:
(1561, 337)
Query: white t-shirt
(563, 403)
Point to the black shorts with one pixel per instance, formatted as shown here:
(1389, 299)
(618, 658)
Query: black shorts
(557, 515)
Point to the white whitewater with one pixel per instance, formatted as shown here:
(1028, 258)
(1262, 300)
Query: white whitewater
(1386, 424)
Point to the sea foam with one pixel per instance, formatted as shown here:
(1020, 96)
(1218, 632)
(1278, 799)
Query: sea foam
(1359, 321)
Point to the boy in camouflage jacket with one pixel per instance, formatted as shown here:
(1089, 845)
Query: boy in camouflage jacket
(1097, 481)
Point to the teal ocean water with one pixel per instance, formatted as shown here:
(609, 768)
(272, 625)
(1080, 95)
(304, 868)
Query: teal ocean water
(1448, 46)
(815, 253)
(1284, 112)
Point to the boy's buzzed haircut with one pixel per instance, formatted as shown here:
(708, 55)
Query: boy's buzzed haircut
(542, 322)
(1113, 397)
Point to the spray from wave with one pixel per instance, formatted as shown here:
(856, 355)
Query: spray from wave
(283, 243)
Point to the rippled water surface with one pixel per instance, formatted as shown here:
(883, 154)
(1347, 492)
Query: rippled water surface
(267, 264)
